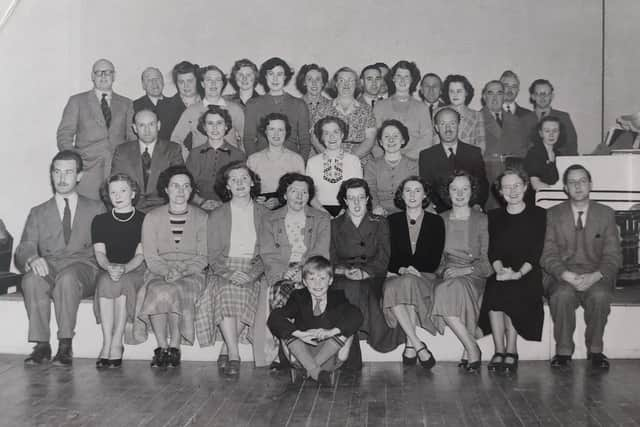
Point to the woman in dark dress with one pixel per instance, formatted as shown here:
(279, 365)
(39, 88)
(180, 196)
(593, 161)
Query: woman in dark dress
(116, 237)
(417, 241)
(360, 252)
(512, 302)
(540, 162)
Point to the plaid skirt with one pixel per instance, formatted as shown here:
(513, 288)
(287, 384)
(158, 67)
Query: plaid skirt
(158, 296)
(222, 298)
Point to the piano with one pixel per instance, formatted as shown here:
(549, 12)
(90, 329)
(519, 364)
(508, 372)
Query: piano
(616, 183)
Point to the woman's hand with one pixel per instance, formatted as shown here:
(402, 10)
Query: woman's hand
(172, 275)
(456, 272)
(209, 205)
(356, 274)
(379, 210)
(115, 271)
(272, 203)
(412, 270)
(294, 274)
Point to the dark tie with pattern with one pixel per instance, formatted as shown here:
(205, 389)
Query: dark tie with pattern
(146, 166)
(499, 119)
(106, 110)
(580, 224)
(431, 111)
(66, 221)
(317, 310)
(452, 158)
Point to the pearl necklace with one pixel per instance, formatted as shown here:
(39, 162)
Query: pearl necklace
(113, 214)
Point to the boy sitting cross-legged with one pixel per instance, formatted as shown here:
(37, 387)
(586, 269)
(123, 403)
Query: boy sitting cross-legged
(317, 324)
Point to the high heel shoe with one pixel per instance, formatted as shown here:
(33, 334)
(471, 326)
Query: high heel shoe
(222, 361)
(116, 363)
(430, 362)
(102, 363)
(510, 367)
(474, 367)
(497, 363)
(463, 363)
(409, 361)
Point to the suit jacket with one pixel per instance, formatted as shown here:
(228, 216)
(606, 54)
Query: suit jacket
(84, 129)
(339, 313)
(169, 111)
(366, 247)
(602, 244)
(510, 139)
(43, 235)
(429, 246)
(127, 159)
(219, 240)
(570, 147)
(144, 102)
(522, 111)
(275, 249)
(435, 168)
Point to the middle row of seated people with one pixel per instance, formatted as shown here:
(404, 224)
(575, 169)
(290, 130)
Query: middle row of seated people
(437, 265)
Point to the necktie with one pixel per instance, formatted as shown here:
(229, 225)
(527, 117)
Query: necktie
(499, 119)
(452, 158)
(146, 166)
(580, 225)
(66, 221)
(373, 102)
(431, 111)
(106, 110)
(317, 310)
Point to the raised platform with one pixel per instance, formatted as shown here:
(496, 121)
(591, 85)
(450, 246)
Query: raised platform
(622, 337)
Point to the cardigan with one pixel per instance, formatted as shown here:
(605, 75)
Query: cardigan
(429, 246)
(478, 243)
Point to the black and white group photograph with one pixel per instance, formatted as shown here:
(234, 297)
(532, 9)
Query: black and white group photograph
(320, 213)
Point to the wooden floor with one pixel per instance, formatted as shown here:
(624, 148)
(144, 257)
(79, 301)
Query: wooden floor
(382, 394)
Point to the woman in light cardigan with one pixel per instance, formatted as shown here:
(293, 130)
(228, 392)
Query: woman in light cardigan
(236, 274)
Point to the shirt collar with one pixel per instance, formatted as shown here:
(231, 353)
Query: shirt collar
(225, 148)
(99, 94)
(446, 147)
(511, 105)
(220, 103)
(149, 146)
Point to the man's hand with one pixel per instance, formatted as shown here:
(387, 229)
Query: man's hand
(39, 266)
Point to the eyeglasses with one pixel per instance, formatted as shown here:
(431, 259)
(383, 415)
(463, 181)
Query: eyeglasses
(103, 73)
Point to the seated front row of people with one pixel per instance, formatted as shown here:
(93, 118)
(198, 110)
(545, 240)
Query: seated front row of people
(154, 267)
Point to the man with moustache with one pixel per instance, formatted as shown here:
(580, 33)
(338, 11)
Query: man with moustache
(56, 255)
(371, 80)
(437, 162)
(146, 157)
(94, 123)
(152, 84)
(582, 255)
(511, 83)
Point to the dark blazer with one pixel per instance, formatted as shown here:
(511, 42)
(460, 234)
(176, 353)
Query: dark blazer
(127, 159)
(365, 247)
(435, 168)
(570, 147)
(522, 111)
(509, 139)
(602, 244)
(339, 314)
(43, 235)
(169, 111)
(275, 249)
(144, 103)
(429, 246)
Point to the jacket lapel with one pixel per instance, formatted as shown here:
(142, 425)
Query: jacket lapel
(96, 110)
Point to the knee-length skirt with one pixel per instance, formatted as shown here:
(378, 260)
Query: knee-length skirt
(128, 285)
(409, 289)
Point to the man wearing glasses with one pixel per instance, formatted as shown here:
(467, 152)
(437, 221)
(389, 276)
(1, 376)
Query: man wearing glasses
(582, 255)
(93, 123)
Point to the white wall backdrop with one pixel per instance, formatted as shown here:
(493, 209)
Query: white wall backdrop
(48, 47)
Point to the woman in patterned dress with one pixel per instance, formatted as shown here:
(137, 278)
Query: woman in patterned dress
(175, 250)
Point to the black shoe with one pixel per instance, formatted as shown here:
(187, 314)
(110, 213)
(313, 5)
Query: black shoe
(408, 361)
(463, 363)
(510, 364)
(159, 359)
(474, 367)
(430, 362)
(222, 361)
(103, 363)
(560, 361)
(497, 363)
(233, 368)
(173, 357)
(64, 356)
(41, 353)
(598, 361)
(116, 363)
(325, 379)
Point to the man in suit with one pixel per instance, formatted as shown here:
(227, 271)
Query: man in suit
(371, 80)
(436, 163)
(56, 254)
(430, 92)
(152, 84)
(541, 94)
(94, 123)
(582, 255)
(511, 83)
(185, 78)
(146, 157)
